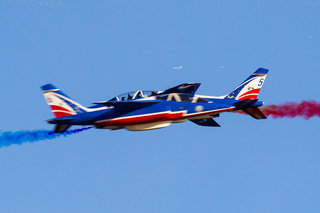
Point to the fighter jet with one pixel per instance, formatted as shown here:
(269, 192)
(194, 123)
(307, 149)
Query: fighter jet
(146, 110)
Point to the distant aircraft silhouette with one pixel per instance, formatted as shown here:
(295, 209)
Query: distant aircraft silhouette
(177, 68)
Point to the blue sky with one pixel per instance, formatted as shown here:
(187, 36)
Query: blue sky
(96, 50)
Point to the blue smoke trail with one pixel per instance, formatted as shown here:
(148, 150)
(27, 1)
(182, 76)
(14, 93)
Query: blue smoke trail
(20, 137)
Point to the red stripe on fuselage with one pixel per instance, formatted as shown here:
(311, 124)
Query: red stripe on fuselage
(248, 97)
(55, 107)
(141, 119)
(165, 116)
(250, 92)
(61, 114)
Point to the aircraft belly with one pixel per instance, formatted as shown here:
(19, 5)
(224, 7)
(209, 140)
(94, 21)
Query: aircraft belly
(148, 126)
(110, 127)
(181, 120)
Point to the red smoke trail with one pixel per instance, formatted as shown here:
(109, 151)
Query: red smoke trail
(305, 109)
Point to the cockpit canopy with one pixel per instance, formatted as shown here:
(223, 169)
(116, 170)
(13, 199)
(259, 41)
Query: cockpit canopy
(134, 95)
(181, 97)
(157, 95)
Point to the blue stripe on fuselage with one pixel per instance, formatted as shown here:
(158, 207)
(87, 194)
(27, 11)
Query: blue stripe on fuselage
(89, 118)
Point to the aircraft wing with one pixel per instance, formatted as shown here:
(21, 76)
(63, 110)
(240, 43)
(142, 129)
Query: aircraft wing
(205, 122)
(127, 105)
(189, 88)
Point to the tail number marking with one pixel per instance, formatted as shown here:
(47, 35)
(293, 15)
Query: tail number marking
(260, 82)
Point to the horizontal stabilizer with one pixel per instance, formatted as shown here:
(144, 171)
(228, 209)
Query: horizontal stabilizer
(245, 102)
(60, 128)
(205, 122)
(62, 120)
(255, 113)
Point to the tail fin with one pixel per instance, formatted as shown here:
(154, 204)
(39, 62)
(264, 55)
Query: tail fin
(61, 104)
(250, 88)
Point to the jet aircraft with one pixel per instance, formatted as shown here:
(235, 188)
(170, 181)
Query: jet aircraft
(146, 110)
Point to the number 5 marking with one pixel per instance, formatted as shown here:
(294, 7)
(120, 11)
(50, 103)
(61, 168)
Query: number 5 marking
(260, 82)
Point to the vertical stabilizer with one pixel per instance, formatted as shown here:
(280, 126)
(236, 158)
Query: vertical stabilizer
(61, 104)
(250, 88)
